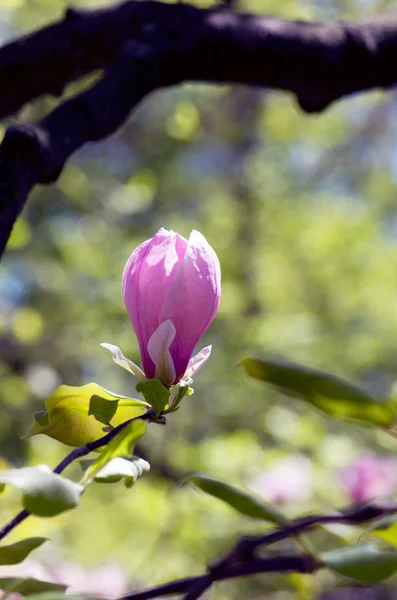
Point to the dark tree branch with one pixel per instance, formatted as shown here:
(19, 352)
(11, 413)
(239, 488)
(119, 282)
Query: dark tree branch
(142, 46)
(304, 563)
(243, 561)
(319, 62)
(355, 515)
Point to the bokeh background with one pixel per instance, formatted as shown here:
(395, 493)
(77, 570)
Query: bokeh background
(301, 212)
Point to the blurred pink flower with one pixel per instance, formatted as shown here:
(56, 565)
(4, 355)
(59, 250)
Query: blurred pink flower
(108, 580)
(288, 480)
(369, 477)
(104, 581)
(172, 289)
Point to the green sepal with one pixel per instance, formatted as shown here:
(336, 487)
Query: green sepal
(182, 390)
(155, 393)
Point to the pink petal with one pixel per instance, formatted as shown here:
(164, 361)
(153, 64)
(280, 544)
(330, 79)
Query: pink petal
(193, 299)
(147, 278)
(159, 351)
(197, 362)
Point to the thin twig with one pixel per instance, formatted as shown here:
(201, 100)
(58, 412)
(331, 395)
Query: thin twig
(91, 446)
(74, 455)
(353, 515)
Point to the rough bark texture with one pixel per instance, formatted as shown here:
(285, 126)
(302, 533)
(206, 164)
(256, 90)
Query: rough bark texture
(143, 46)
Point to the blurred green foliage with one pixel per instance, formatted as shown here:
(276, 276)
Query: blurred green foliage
(300, 210)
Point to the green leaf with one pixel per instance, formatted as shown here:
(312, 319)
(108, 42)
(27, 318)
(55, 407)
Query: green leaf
(363, 562)
(329, 393)
(385, 529)
(154, 393)
(130, 468)
(45, 493)
(29, 586)
(122, 445)
(16, 553)
(242, 501)
(102, 409)
(75, 415)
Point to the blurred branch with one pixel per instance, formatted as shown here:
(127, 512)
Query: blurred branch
(142, 46)
(242, 560)
(33, 154)
(271, 564)
(319, 62)
(74, 455)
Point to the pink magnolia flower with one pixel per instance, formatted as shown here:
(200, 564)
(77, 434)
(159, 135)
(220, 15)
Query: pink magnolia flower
(171, 288)
(369, 477)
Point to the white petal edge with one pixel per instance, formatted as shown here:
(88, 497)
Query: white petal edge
(124, 362)
(197, 362)
(159, 351)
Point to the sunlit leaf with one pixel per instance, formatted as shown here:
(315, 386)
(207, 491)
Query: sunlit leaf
(385, 529)
(331, 394)
(242, 501)
(154, 393)
(68, 419)
(129, 468)
(363, 562)
(44, 493)
(29, 586)
(16, 553)
(122, 445)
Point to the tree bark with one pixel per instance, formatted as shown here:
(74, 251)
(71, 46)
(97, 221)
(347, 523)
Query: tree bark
(143, 46)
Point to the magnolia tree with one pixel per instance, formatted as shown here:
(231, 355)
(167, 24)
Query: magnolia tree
(172, 286)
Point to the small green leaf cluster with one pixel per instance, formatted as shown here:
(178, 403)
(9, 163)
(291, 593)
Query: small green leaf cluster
(88, 418)
(76, 415)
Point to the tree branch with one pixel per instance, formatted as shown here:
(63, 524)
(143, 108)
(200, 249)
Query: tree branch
(242, 560)
(319, 62)
(143, 46)
(304, 563)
